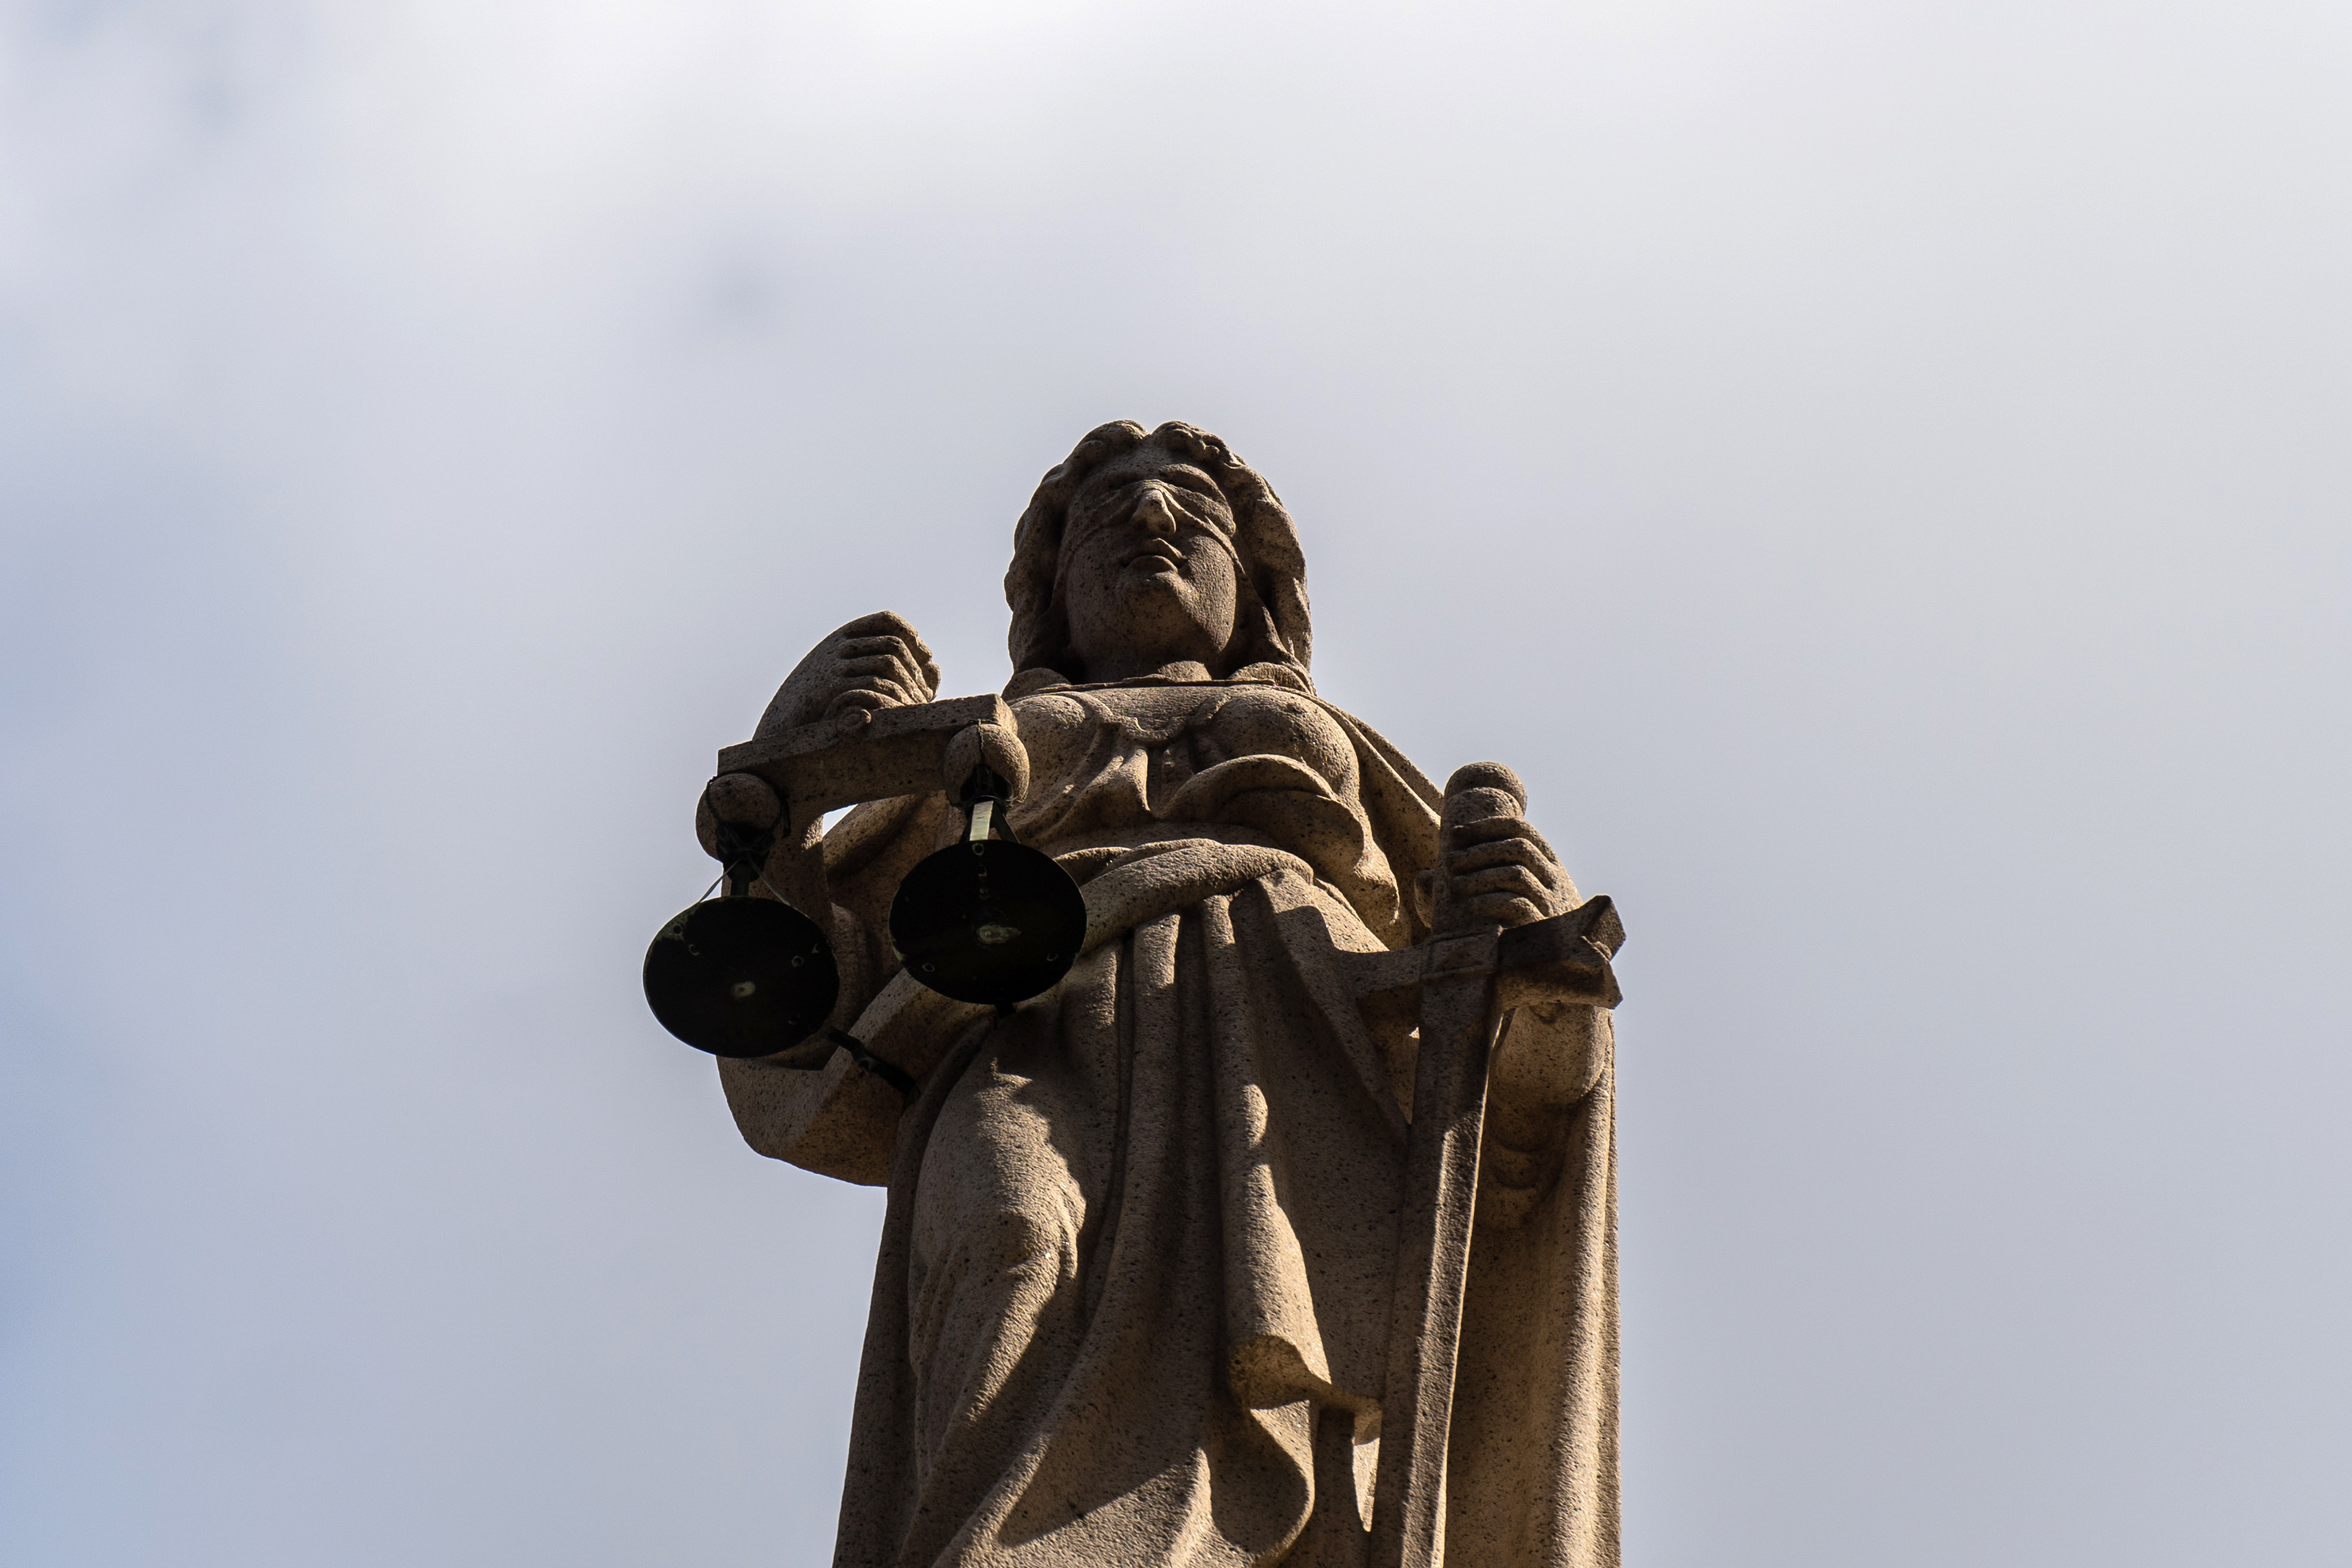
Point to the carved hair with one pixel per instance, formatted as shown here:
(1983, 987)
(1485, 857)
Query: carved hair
(1272, 636)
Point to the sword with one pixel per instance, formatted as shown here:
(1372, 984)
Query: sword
(1465, 980)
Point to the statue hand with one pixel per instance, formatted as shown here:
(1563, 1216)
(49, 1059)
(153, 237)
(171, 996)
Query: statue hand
(1493, 867)
(876, 661)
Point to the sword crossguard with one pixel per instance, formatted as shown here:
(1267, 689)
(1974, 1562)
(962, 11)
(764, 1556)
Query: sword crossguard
(1564, 959)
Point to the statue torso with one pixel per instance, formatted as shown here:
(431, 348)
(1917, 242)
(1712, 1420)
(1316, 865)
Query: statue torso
(1245, 762)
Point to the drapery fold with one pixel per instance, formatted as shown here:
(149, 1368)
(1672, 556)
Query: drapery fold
(1139, 1230)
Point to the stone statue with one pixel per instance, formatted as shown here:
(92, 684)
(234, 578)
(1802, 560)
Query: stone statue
(1134, 1298)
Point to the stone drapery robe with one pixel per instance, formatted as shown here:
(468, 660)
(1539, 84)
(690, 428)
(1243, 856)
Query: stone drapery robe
(1141, 1230)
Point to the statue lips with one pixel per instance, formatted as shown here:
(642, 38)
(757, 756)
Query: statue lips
(1160, 557)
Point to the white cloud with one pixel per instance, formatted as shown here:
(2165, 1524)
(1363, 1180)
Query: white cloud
(1872, 470)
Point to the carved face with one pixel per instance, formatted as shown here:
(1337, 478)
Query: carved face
(1147, 571)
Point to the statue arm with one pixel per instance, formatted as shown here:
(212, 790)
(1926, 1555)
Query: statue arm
(872, 664)
(1494, 868)
(813, 1105)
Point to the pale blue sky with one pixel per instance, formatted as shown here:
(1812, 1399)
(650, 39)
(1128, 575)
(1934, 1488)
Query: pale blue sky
(1878, 471)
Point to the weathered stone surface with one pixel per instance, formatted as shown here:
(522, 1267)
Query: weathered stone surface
(864, 754)
(1169, 1248)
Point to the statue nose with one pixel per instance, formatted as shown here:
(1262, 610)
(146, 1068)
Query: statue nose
(1154, 511)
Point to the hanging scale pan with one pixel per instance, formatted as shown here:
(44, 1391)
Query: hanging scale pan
(740, 975)
(988, 920)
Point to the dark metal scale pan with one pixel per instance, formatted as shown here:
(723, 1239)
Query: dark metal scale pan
(740, 977)
(988, 920)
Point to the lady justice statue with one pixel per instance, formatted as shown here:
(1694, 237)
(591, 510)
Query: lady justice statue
(1137, 1301)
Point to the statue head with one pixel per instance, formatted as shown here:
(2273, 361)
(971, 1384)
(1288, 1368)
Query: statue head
(1148, 549)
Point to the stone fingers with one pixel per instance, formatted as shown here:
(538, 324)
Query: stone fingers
(1501, 827)
(889, 627)
(1497, 867)
(885, 670)
(889, 656)
(886, 677)
(1512, 877)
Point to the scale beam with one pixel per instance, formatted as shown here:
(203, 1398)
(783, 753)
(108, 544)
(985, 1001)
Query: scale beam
(860, 756)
